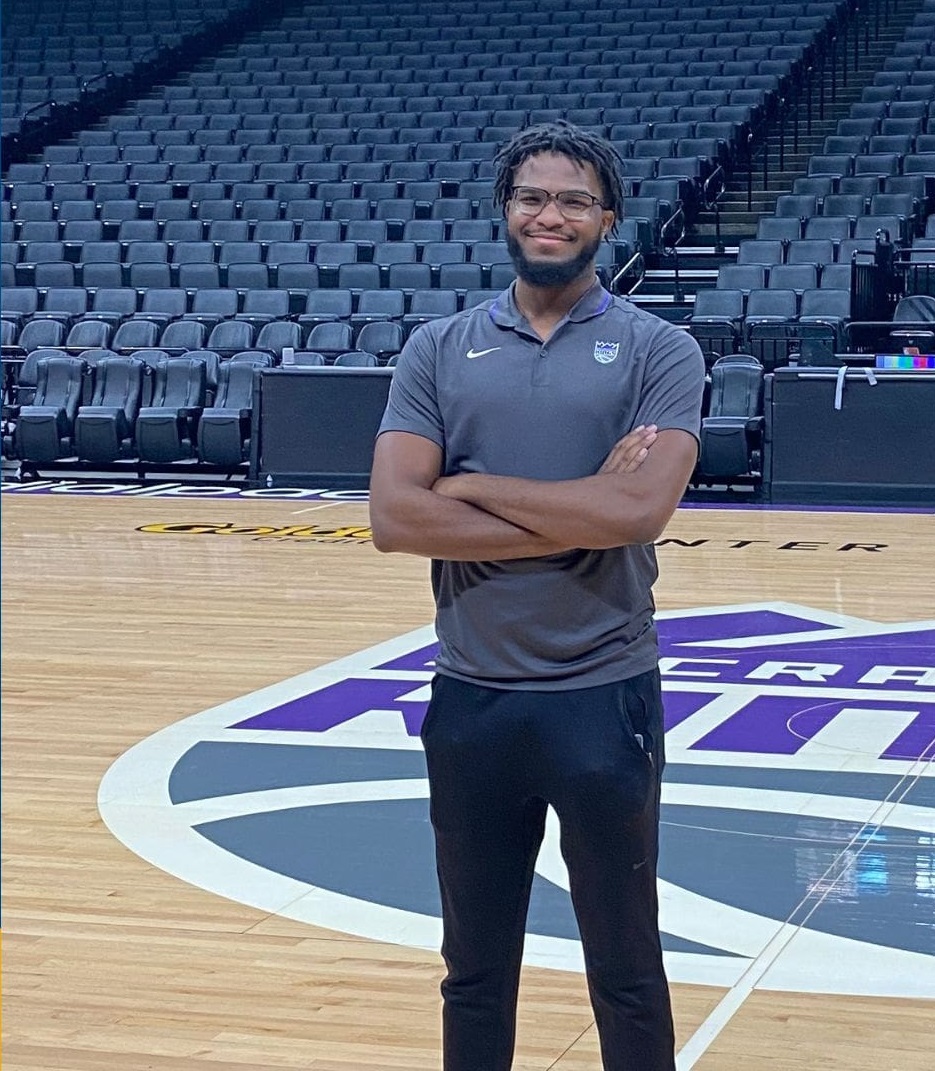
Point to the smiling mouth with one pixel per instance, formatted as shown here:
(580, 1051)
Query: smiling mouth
(549, 238)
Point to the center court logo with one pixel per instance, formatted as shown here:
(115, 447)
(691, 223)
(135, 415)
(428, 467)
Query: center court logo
(799, 801)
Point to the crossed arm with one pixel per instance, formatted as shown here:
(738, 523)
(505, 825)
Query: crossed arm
(479, 517)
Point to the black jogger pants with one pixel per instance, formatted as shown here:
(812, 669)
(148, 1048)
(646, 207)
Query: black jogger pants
(496, 760)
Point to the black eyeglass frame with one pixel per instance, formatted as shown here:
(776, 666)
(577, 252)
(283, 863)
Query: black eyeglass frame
(556, 197)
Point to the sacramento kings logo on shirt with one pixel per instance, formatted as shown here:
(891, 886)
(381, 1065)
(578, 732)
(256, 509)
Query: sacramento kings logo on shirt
(605, 352)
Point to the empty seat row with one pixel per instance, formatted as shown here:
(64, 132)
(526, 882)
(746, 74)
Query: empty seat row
(769, 251)
(878, 164)
(361, 56)
(194, 192)
(383, 105)
(27, 308)
(147, 143)
(920, 183)
(160, 260)
(901, 142)
(898, 117)
(374, 332)
(183, 174)
(295, 277)
(101, 407)
(900, 215)
(797, 277)
(173, 319)
(771, 323)
(75, 232)
(395, 211)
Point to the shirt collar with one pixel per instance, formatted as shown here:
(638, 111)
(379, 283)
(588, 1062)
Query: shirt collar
(594, 301)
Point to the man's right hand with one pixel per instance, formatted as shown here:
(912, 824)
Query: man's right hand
(631, 451)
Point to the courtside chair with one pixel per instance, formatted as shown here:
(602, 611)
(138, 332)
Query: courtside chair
(731, 432)
(104, 428)
(223, 435)
(44, 429)
(165, 429)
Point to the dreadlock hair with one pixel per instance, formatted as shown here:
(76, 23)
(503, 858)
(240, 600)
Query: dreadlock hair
(562, 137)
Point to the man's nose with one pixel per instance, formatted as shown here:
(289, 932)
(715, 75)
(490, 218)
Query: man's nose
(551, 214)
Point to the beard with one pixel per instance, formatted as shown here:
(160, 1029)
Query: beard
(551, 273)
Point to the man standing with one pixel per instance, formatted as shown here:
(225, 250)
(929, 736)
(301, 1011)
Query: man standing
(534, 447)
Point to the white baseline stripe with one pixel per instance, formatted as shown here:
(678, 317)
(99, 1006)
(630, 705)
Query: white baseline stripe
(704, 1036)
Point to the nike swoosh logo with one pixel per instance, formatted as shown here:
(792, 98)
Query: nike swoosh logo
(471, 354)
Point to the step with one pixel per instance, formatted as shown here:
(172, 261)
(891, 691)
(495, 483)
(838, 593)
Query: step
(696, 250)
(728, 232)
(685, 275)
(673, 314)
(678, 309)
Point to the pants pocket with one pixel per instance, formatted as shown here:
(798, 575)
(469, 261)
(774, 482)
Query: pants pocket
(637, 716)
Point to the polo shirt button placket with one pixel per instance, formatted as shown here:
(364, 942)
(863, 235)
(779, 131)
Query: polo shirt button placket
(541, 368)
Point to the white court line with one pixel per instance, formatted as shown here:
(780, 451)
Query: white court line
(702, 1039)
(311, 509)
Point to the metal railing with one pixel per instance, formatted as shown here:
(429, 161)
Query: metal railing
(635, 267)
(711, 191)
(670, 234)
(830, 64)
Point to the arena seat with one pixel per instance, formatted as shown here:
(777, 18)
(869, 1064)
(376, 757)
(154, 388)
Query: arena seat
(44, 429)
(797, 277)
(823, 314)
(716, 319)
(135, 334)
(743, 277)
(381, 337)
(224, 428)
(19, 303)
(165, 429)
(279, 335)
(732, 428)
(330, 338)
(104, 428)
(377, 305)
(356, 359)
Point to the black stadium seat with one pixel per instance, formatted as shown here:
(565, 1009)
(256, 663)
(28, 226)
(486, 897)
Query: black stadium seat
(44, 429)
(732, 428)
(224, 428)
(104, 428)
(165, 429)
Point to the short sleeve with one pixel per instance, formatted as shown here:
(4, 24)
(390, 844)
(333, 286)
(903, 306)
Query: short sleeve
(673, 385)
(413, 400)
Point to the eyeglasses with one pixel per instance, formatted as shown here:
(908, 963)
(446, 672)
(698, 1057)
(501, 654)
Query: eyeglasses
(573, 204)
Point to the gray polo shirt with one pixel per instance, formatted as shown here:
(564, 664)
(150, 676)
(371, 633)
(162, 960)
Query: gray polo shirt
(496, 399)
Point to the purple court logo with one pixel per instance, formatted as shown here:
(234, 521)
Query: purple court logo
(798, 835)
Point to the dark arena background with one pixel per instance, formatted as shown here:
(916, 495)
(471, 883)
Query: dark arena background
(220, 222)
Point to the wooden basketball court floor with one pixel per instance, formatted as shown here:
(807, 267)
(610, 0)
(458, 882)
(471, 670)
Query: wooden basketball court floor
(223, 917)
